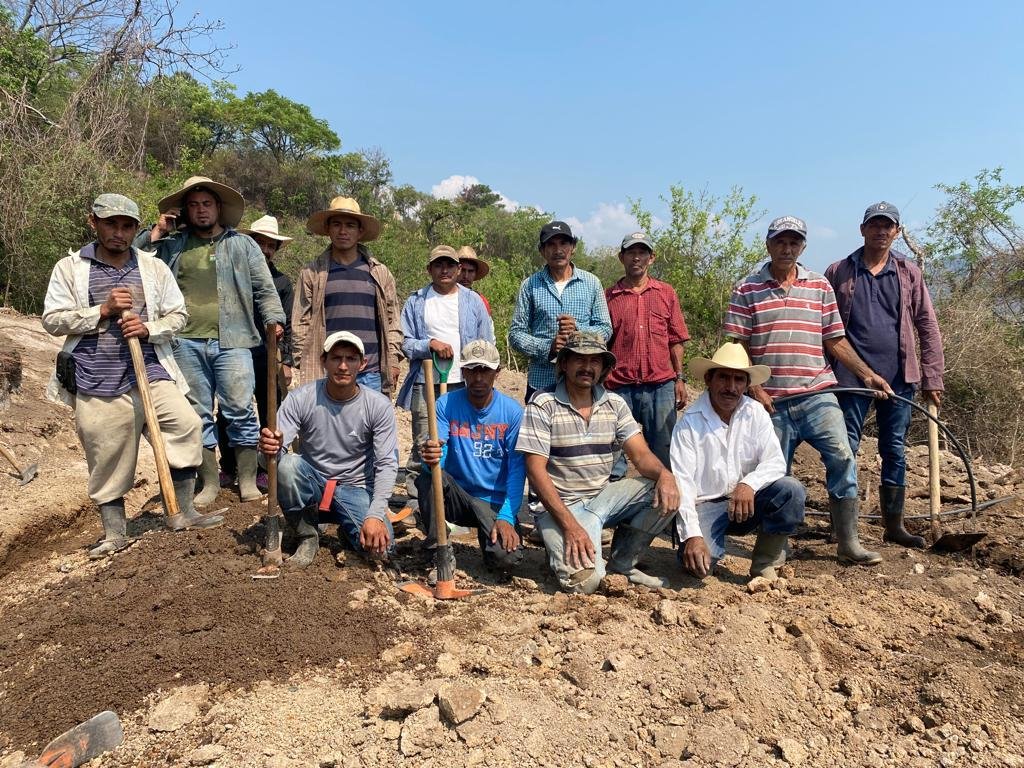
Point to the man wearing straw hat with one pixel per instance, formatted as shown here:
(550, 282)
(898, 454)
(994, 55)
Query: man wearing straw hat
(570, 437)
(731, 472)
(346, 289)
(87, 293)
(471, 269)
(225, 279)
(265, 232)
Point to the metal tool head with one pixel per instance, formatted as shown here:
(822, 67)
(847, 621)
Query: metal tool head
(958, 542)
(29, 474)
(443, 590)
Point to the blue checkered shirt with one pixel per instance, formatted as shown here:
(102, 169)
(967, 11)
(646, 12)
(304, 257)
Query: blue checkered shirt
(535, 321)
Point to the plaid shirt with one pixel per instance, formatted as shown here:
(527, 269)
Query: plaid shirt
(535, 321)
(645, 326)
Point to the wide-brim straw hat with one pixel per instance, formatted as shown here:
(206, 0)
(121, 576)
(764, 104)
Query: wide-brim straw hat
(232, 205)
(266, 226)
(466, 253)
(344, 206)
(733, 357)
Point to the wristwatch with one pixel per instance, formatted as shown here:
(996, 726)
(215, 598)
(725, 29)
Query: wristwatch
(680, 377)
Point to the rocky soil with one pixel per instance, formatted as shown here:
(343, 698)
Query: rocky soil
(914, 663)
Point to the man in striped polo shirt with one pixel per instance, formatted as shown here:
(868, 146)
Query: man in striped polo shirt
(787, 317)
(571, 437)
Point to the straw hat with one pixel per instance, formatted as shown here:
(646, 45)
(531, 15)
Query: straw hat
(267, 227)
(466, 253)
(231, 203)
(317, 223)
(733, 357)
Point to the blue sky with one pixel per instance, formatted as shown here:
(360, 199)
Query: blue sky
(818, 108)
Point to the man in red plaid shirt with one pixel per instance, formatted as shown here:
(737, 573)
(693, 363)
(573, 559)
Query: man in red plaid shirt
(648, 334)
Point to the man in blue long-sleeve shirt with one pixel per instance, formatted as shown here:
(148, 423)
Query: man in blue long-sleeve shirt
(483, 475)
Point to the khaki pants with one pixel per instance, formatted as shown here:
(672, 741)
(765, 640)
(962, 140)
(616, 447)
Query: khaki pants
(110, 427)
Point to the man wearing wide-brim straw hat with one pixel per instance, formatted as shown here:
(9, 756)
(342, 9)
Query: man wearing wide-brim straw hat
(570, 438)
(224, 278)
(471, 269)
(730, 469)
(346, 289)
(265, 232)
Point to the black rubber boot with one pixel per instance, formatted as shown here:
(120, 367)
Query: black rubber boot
(891, 500)
(210, 475)
(115, 530)
(845, 513)
(769, 553)
(309, 539)
(184, 481)
(245, 459)
(628, 544)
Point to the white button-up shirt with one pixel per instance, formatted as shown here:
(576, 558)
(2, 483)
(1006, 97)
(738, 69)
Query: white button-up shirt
(710, 458)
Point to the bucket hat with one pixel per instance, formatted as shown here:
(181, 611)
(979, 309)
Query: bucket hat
(587, 343)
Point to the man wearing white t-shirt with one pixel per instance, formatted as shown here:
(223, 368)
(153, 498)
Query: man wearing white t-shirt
(437, 321)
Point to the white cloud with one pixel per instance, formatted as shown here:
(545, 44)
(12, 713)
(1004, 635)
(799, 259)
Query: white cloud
(450, 188)
(821, 232)
(606, 225)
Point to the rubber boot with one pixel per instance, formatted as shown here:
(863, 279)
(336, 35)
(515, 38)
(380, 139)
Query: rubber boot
(627, 546)
(246, 459)
(115, 530)
(891, 499)
(769, 553)
(209, 474)
(309, 539)
(184, 487)
(845, 513)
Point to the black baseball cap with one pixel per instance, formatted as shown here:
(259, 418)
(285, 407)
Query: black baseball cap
(553, 228)
(884, 209)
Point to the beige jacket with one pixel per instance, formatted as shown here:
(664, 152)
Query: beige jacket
(309, 326)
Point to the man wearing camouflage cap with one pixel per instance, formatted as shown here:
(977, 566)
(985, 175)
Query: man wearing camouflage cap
(570, 437)
(97, 298)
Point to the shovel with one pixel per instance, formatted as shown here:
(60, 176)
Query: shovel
(444, 367)
(272, 557)
(82, 743)
(26, 475)
(943, 542)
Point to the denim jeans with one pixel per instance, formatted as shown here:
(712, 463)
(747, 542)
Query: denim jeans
(300, 485)
(369, 379)
(622, 504)
(893, 419)
(420, 432)
(654, 408)
(778, 508)
(226, 373)
(818, 420)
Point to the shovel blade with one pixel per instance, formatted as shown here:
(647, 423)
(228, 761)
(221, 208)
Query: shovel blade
(29, 474)
(958, 542)
(83, 742)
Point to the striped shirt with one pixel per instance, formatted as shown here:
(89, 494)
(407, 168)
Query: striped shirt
(580, 453)
(103, 363)
(350, 304)
(784, 329)
(535, 320)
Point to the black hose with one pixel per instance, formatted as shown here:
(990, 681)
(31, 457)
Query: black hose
(950, 437)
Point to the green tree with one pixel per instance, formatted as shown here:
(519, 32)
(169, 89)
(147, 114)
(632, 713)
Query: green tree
(284, 128)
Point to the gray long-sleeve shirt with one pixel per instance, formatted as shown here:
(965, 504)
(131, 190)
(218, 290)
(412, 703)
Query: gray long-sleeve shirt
(354, 442)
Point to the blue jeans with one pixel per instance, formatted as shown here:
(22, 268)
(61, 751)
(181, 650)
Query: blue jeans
(228, 374)
(300, 485)
(369, 379)
(893, 418)
(654, 408)
(778, 509)
(818, 420)
(624, 504)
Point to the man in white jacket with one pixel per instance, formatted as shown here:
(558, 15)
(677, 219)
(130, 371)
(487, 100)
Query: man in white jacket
(728, 463)
(98, 297)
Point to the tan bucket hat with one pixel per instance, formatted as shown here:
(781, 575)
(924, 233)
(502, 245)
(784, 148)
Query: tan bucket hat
(734, 357)
(267, 227)
(587, 343)
(232, 205)
(317, 223)
(466, 253)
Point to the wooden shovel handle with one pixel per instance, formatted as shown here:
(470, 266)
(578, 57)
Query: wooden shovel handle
(934, 487)
(272, 373)
(436, 486)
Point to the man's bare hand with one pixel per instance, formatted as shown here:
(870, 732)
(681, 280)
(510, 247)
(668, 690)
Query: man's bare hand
(441, 349)
(278, 332)
(763, 398)
(373, 536)
(933, 396)
(567, 324)
(395, 370)
(430, 452)
(880, 385)
(165, 225)
(681, 395)
(741, 503)
(506, 534)
(696, 557)
(118, 300)
(132, 327)
(579, 549)
(270, 442)
(666, 494)
(286, 374)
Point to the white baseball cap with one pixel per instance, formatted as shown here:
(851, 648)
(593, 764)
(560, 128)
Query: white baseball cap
(344, 337)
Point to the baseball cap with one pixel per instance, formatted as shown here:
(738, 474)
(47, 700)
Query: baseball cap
(553, 228)
(443, 252)
(787, 224)
(480, 352)
(637, 237)
(344, 337)
(107, 205)
(888, 210)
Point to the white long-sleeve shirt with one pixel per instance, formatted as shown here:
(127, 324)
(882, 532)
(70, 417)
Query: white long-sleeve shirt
(710, 458)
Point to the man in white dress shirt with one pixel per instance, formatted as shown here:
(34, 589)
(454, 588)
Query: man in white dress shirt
(731, 473)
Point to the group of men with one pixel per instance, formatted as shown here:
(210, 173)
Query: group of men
(605, 383)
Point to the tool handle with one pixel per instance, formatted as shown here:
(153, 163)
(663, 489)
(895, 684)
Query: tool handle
(934, 488)
(10, 457)
(436, 487)
(273, 363)
(163, 469)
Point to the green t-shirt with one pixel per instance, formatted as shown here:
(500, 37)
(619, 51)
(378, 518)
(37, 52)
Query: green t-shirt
(197, 278)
